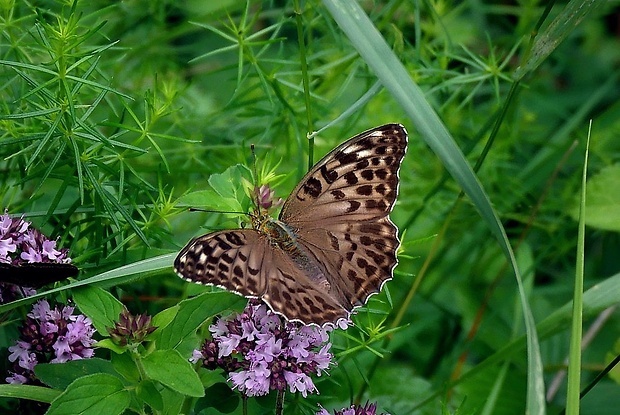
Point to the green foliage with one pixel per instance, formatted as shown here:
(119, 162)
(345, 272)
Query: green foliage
(115, 117)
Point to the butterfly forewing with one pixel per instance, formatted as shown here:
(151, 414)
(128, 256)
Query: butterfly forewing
(357, 180)
(333, 246)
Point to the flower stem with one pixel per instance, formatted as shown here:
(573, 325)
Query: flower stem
(280, 402)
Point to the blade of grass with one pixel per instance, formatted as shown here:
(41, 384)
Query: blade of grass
(564, 23)
(574, 359)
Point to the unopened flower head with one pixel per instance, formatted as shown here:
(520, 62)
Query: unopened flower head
(131, 329)
(262, 352)
(266, 197)
(50, 336)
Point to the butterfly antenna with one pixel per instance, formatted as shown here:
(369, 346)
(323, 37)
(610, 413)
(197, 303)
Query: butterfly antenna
(255, 173)
(232, 212)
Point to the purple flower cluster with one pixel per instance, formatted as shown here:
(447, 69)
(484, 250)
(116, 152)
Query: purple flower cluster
(368, 409)
(261, 352)
(20, 243)
(49, 336)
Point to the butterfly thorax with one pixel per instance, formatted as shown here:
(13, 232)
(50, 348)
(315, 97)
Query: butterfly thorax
(278, 234)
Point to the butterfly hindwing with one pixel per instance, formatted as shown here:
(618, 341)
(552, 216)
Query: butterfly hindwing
(243, 261)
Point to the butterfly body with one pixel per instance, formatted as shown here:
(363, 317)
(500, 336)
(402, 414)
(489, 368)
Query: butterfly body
(331, 248)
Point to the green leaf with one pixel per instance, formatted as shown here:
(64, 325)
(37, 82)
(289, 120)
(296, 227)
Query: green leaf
(99, 305)
(33, 393)
(220, 397)
(603, 200)
(563, 25)
(92, 395)
(110, 345)
(172, 370)
(126, 367)
(162, 319)
(209, 199)
(573, 389)
(61, 375)
(226, 193)
(147, 391)
(226, 184)
(173, 402)
(192, 314)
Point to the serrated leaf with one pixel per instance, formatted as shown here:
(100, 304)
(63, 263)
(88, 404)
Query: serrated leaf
(171, 369)
(173, 402)
(228, 183)
(99, 305)
(92, 395)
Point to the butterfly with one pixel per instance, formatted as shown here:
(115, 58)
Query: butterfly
(332, 246)
(36, 274)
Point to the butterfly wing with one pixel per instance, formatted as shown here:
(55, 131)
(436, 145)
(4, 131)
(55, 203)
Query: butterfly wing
(245, 262)
(340, 213)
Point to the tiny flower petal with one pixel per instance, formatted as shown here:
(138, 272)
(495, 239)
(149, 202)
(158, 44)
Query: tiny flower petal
(50, 251)
(261, 352)
(19, 350)
(40, 311)
(299, 382)
(196, 356)
(16, 379)
(50, 332)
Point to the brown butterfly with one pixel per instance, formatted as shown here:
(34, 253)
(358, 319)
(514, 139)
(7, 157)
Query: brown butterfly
(333, 245)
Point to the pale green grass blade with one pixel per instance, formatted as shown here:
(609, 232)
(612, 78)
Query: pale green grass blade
(547, 41)
(574, 357)
(394, 77)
